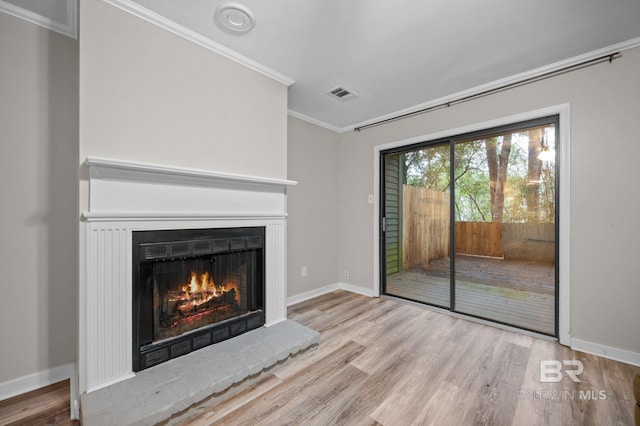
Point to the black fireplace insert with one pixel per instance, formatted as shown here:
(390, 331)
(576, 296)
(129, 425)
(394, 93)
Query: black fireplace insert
(193, 288)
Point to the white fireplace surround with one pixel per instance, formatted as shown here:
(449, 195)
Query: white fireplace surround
(127, 196)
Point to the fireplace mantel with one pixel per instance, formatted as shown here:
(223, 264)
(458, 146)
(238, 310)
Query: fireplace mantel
(126, 196)
(127, 190)
(132, 171)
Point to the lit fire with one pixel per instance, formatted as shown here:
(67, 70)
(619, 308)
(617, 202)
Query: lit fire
(200, 290)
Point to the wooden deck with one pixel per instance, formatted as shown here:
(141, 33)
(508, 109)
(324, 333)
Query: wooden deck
(522, 306)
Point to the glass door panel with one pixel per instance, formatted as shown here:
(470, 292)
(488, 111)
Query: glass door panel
(417, 225)
(505, 210)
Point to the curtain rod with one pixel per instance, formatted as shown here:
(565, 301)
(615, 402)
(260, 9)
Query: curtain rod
(609, 58)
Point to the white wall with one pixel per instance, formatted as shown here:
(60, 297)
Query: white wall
(38, 201)
(605, 106)
(313, 207)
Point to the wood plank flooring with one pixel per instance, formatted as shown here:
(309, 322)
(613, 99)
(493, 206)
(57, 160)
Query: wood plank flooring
(46, 406)
(384, 362)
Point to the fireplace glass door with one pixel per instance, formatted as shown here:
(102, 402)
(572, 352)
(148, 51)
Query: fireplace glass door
(193, 288)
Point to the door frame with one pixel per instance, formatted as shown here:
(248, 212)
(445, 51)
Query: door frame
(564, 205)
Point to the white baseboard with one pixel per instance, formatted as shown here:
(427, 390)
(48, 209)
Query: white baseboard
(357, 289)
(311, 294)
(609, 352)
(41, 379)
(328, 289)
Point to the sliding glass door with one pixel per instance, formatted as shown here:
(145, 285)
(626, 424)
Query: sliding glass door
(417, 224)
(469, 224)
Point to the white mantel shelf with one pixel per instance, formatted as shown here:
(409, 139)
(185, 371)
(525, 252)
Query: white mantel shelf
(175, 216)
(110, 169)
(128, 190)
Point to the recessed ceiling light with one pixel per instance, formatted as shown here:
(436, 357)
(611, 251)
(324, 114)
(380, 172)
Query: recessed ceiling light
(235, 17)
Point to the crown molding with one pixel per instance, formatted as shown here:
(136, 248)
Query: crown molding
(194, 37)
(513, 79)
(319, 123)
(70, 29)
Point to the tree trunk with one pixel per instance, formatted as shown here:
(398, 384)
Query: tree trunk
(492, 163)
(534, 170)
(497, 174)
(501, 183)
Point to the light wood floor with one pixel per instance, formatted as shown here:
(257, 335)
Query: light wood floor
(384, 362)
(46, 406)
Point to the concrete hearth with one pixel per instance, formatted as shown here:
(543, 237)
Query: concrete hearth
(158, 393)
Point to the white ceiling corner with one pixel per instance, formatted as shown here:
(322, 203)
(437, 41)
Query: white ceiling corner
(60, 16)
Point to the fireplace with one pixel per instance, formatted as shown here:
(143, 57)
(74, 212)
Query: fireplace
(154, 204)
(193, 288)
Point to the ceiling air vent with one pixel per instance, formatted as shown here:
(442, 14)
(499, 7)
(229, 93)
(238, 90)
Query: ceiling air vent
(341, 93)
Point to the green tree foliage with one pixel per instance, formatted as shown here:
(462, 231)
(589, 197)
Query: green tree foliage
(496, 179)
(428, 168)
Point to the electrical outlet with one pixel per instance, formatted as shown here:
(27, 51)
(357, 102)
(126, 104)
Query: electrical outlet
(347, 275)
(303, 271)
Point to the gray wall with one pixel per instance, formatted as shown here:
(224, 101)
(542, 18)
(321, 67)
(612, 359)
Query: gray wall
(605, 201)
(148, 95)
(313, 206)
(38, 198)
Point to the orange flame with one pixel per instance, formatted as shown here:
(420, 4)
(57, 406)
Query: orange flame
(201, 289)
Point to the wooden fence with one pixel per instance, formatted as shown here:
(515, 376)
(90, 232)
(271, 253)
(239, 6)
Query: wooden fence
(529, 241)
(479, 238)
(425, 233)
(425, 225)
(513, 241)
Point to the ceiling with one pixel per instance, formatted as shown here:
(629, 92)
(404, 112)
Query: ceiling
(399, 55)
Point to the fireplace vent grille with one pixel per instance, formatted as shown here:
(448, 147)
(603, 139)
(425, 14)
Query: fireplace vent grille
(168, 250)
(155, 252)
(202, 248)
(178, 250)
